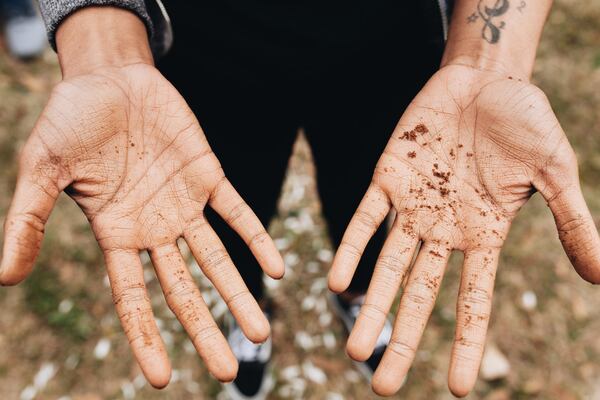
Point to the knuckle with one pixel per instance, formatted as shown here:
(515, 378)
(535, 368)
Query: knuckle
(350, 248)
(179, 294)
(402, 348)
(242, 296)
(392, 264)
(366, 219)
(237, 212)
(216, 260)
(205, 333)
(258, 238)
(574, 224)
(372, 311)
(475, 296)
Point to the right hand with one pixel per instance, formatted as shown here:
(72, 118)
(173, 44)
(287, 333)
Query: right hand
(125, 146)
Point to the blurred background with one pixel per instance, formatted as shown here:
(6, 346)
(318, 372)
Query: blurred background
(60, 338)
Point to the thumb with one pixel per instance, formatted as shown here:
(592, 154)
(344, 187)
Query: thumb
(35, 196)
(558, 182)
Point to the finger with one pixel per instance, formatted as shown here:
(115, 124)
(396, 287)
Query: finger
(416, 305)
(218, 267)
(472, 317)
(34, 198)
(391, 266)
(135, 312)
(186, 302)
(231, 207)
(576, 228)
(371, 212)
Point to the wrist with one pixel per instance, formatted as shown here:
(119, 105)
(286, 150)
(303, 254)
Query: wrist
(496, 35)
(95, 37)
(485, 61)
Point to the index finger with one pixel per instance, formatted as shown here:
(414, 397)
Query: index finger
(233, 209)
(371, 212)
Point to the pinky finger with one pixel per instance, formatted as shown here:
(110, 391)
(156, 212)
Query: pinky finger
(135, 312)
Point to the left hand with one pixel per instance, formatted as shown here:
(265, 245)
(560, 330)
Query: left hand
(467, 154)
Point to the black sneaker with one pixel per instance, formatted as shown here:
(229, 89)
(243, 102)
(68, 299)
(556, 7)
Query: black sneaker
(348, 312)
(253, 381)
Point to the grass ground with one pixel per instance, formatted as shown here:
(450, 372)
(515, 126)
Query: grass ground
(59, 336)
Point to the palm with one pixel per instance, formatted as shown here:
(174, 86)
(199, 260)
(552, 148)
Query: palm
(148, 177)
(467, 154)
(125, 146)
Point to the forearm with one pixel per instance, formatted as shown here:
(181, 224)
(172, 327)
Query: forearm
(94, 37)
(500, 35)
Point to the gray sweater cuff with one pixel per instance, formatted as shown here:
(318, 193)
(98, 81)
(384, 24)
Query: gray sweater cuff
(55, 11)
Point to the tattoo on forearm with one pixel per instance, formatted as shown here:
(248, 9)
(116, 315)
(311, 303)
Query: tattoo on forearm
(489, 15)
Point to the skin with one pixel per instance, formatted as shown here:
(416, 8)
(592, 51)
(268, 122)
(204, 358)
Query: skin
(120, 140)
(474, 145)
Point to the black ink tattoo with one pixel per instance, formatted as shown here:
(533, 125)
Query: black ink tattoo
(491, 30)
(521, 6)
(472, 18)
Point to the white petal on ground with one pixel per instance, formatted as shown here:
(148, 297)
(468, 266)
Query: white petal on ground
(325, 319)
(329, 340)
(72, 361)
(529, 300)
(102, 349)
(298, 385)
(148, 275)
(188, 347)
(65, 306)
(291, 260)
(494, 364)
(192, 387)
(28, 393)
(318, 286)
(285, 391)
(290, 372)
(167, 337)
(334, 396)
(304, 340)
(313, 267)
(309, 303)
(195, 268)
(144, 257)
(325, 255)
(314, 373)
(219, 309)
(139, 381)
(46, 372)
(321, 305)
(352, 376)
(128, 390)
(282, 243)
(210, 296)
(272, 284)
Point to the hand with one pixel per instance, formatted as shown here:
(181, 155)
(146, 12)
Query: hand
(125, 146)
(468, 152)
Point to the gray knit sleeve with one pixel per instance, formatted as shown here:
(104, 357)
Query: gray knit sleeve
(55, 11)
